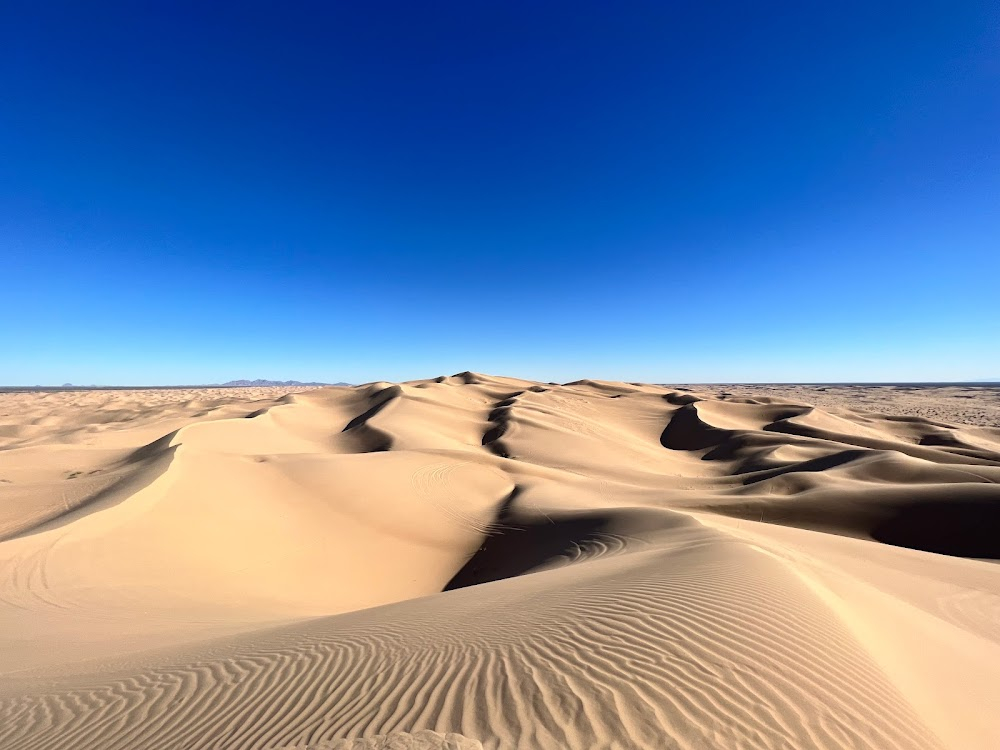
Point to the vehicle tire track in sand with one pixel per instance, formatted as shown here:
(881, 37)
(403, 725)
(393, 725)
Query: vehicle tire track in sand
(433, 484)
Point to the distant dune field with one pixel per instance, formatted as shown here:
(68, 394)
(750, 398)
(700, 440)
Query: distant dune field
(485, 562)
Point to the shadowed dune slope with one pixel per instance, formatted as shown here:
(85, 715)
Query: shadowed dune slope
(474, 561)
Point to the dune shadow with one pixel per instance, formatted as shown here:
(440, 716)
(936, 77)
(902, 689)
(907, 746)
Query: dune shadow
(371, 439)
(520, 543)
(755, 474)
(499, 420)
(964, 528)
(517, 544)
(687, 432)
(963, 521)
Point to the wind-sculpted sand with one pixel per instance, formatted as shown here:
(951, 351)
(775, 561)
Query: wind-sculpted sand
(967, 403)
(483, 562)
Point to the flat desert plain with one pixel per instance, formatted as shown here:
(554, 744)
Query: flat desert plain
(476, 561)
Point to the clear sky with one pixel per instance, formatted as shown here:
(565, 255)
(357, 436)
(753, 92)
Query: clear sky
(659, 191)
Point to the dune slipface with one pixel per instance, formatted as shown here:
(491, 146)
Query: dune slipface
(477, 561)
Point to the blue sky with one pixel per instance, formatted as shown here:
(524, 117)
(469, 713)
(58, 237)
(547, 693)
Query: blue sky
(670, 192)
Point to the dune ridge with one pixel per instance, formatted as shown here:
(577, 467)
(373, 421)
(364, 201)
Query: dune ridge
(477, 561)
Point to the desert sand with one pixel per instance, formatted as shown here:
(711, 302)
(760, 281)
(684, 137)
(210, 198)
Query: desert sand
(972, 404)
(476, 561)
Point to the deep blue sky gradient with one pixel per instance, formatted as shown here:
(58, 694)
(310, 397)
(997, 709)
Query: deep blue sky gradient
(672, 192)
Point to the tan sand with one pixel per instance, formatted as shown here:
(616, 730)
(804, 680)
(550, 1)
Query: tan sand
(966, 404)
(477, 561)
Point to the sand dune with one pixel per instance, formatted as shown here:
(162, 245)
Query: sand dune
(476, 561)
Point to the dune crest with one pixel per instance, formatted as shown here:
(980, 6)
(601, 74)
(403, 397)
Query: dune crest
(476, 561)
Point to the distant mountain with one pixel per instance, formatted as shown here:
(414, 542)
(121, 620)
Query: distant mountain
(257, 383)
